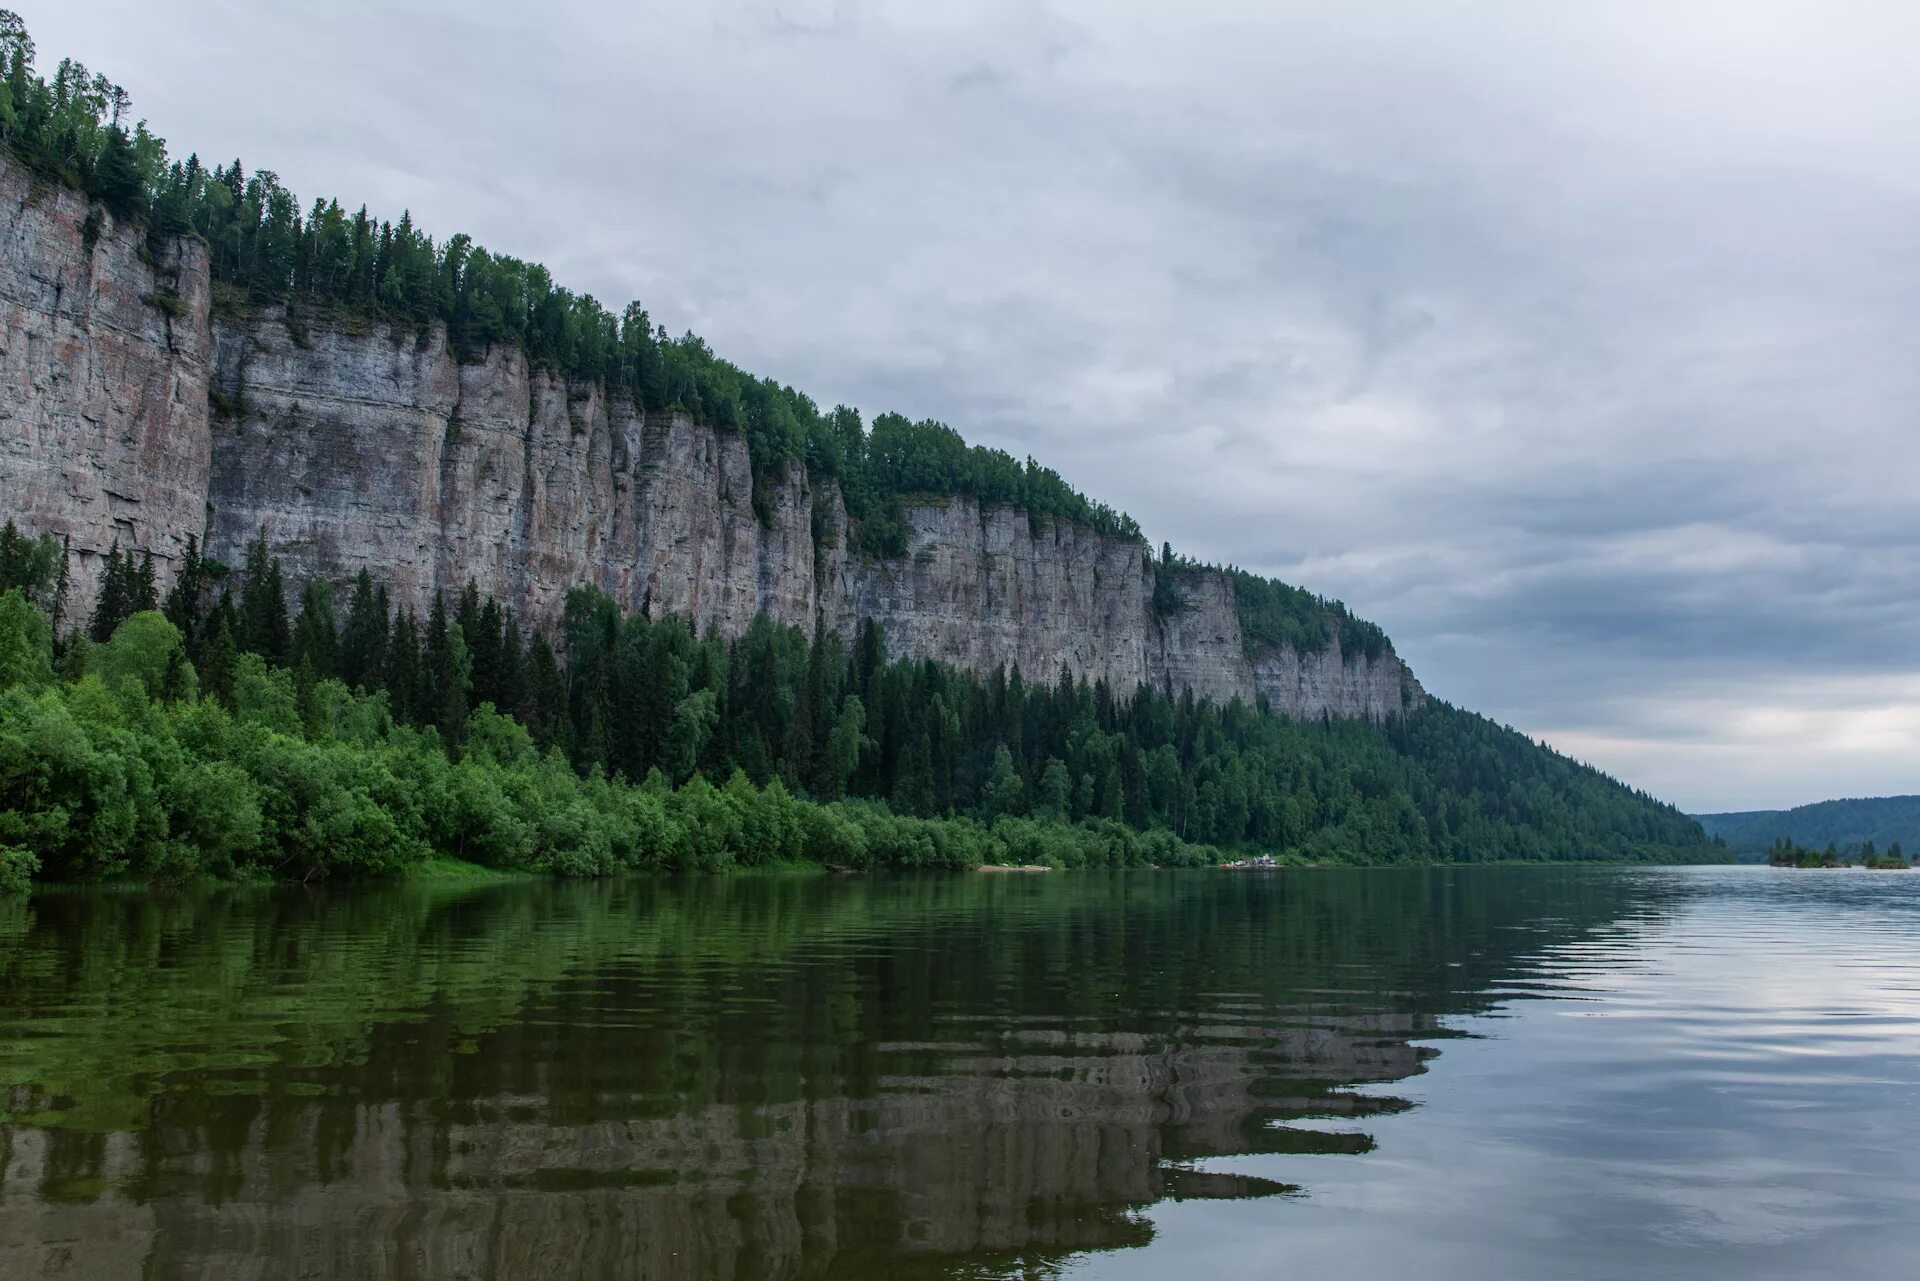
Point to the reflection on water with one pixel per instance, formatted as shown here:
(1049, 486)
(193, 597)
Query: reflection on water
(858, 1077)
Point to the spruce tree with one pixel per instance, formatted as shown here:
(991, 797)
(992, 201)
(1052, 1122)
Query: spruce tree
(510, 670)
(315, 636)
(184, 599)
(449, 675)
(543, 699)
(263, 606)
(363, 639)
(141, 593)
(219, 654)
(61, 585)
(403, 669)
(110, 603)
(1004, 793)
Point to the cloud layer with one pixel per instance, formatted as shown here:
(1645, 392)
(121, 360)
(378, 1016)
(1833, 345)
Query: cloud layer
(1571, 343)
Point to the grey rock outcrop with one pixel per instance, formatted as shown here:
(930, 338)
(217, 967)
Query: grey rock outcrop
(133, 409)
(103, 378)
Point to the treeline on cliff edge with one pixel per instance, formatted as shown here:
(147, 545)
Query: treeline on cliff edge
(212, 732)
(264, 250)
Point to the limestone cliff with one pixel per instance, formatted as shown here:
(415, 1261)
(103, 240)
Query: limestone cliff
(103, 378)
(134, 409)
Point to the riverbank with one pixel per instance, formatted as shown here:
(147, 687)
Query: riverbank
(115, 766)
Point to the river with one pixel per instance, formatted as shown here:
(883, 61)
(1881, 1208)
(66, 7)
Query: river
(1451, 1073)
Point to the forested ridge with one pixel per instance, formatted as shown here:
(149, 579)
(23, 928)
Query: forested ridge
(1848, 825)
(323, 263)
(225, 729)
(217, 730)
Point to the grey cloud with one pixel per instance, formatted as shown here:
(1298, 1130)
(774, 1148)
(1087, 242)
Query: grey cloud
(1571, 347)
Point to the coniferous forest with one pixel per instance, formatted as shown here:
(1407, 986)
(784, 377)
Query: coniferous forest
(220, 731)
(223, 728)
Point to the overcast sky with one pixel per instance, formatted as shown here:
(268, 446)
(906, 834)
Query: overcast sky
(1575, 343)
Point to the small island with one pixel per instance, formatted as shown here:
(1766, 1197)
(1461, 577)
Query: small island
(1784, 853)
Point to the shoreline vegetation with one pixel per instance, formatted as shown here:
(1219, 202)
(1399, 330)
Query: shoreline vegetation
(213, 735)
(1785, 853)
(1846, 823)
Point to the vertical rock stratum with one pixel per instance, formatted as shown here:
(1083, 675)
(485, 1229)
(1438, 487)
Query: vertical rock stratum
(104, 357)
(134, 409)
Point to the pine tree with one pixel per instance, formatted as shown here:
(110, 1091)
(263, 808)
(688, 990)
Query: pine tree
(1133, 783)
(486, 644)
(12, 558)
(913, 791)
(117, 174)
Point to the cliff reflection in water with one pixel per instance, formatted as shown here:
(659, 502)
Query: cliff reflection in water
(728, 1078)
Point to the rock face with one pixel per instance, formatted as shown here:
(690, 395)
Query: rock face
(354, 445)
(103, 379)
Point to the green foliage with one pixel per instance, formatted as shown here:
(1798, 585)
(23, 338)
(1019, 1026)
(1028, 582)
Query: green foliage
(126, 589)
(76, 793)
(1273, 613)
(125, 767)
(1783, 852)
(35, 567)
(17, 868)
(1847, 824)
(71, 127)
(827, 720)
(26, 643)
(149, 651)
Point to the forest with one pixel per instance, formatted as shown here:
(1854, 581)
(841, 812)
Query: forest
(1848, 826)
(217, 730)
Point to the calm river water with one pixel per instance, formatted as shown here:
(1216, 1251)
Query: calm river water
(1527, 1072)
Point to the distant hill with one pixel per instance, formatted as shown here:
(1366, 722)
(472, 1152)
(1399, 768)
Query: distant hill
(1846, 823)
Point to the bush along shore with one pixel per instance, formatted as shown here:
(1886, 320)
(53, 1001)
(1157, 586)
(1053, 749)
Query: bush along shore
(216, 733)
(127, 771)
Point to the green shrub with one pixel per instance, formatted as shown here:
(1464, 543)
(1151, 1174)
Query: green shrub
(17, 867)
